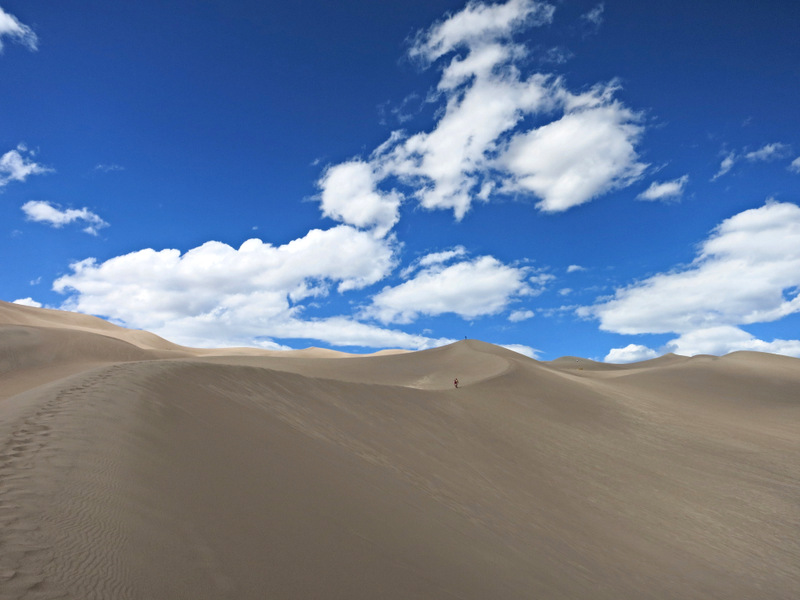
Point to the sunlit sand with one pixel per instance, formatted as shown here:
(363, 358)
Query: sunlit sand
(134, 468)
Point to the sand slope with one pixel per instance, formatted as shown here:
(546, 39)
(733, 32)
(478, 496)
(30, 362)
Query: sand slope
(133, 468)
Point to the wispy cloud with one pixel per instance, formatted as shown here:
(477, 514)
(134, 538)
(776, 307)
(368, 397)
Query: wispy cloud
(556, 56)
(769, 152)
(48, 213)
(520, 315)
(11, 28)
(477, 25)
(434, 258)
(795, 166)
(725, 166)
(103, 168)
(665, 191)
(18, 164)
(594, 18)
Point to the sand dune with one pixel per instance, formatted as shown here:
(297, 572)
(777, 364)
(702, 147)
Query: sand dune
(134, 468)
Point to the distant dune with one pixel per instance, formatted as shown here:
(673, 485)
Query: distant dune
(131, 467)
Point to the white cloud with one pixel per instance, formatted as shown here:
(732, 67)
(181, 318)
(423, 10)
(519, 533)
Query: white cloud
(344, 331)
(438, 258)
(244, 329)
(45, 212)
(668, 190)
(446, 167)
(725, 166)
(795, 166)
(108, 168)
(630, 353)
(228, 296)
(17, 165)
(727, 338)
(768, 152)
(12, 28)
(556, 56)
(568, 162)
(747, 271)
(482, 286)
(28, 302)
(479, 24)
(522, 349)
(434, 258)
(349, 194)
(595, 16)
(484, 141)
(575, 268)
(520, 315)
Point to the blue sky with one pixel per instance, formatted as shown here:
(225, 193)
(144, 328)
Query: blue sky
(609, 180)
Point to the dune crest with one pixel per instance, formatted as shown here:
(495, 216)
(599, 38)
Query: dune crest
(134, 468)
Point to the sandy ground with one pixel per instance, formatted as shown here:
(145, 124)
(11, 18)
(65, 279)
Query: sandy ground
(134, 468)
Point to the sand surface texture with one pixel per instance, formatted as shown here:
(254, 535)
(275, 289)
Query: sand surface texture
(134, 468)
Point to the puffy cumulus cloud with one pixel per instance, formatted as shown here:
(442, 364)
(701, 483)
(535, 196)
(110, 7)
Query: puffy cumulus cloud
(28, 302)
(747, 271)
(630, 353)
(11, 28)
(18, 164)
(447, 166)
(232, 295)
(727, 338)
(524, 350)
(717, 341)
(743, 274)
(349, 194)
(45, 212)
(768, 152)
(502, 129)
(668, 190)
(575, 269)
(587, 152)
(479, 24)
(795, 166)
(470, 288)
